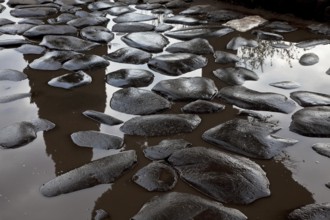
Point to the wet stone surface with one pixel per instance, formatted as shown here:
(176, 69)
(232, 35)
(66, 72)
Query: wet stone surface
(129, 55)
(311, 212)
(130, 78)
(235, 76)
(322, 148)
(306, 98)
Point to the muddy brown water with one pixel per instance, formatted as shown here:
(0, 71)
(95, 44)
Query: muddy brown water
(297, 177)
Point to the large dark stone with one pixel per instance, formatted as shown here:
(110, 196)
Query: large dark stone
(311, 212)
(130, 78)
(306, 98)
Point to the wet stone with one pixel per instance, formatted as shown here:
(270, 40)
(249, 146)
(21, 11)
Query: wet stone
(328, 185)
(149, 41)
(138, 101)
(30, 49)
(182, 19)
(102, 118)
(33, 21)
(129, 27)
(148, 6)
(237, 42)
(252, 138)
(186, 88)
(222, 176)
(52, 60)
(102, 5)
(165, 148)
(202, 107)
(13, 42)
(14, 97)
(164, 11)
(198, 32)
(177, 64)
(83, 62)
(163, 27)
(254, 100)
(223, 15)
(197, 46)
(101, 215)
(39, 12)
(156, 176)
(133, 17)
(195, 207)
(281, 26)
(95, 139)
(306, 98)
(263, 35)
(176, 4)
(245, 24)
(47, 29)
(197, 10)
(322, 148)
(129, 55)
(66, 43)
(161, 125)
(235, 75)
(223, 57)
(22, 133)
(328, 71)
(97, 34)
(117, 11)
(281, 45)
(5, 21)
(88, 21)
(308, 59)
(12, 75)
(62, 18)
(312, 43)
(69, 9)
(321, 28)
(311, 212)
(13, 3)
(71, 80)
(310, 121)
(14, 29)
(286, 85)
(102, 171)
(130, 78)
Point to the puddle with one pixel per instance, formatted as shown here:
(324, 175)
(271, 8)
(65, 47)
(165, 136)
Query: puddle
(297, 176)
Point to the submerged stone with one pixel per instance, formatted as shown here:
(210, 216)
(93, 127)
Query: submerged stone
(263, 35)
(195, 207)
(14, 97)
(95, 139)
(245, 24)
(22, 133)
(250, 99)
(14, 29)
(286, 85)
(202, 107)
(86, 61)
(196, 46)
(30, 49)
(12, 75)
(186, 88)
(312, 43)
(224, 177)
(47, 29)
(71, 80)
(281, 26)
(156, 176)
(252, 138)
(223, 57)
(52, 60)
(88, 21)
(138, 101)
(129, 55)
(165, 148)
(223, 15)
(177, 64)
(102, 171)
(198, 32)
(306, 98)
(182, 19)
(308, 59)
(322, 148)
(133, 17)
(237, 42)
(97, 34)
(161, 125)
(39, 12)
(66, 43)
(149, 41)
(129, 27)
(130, 78)
(312, 121)
(311, 212)
(120, 10)
(235, 75)
(102, 118)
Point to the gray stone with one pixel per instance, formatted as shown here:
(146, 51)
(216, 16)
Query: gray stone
(286, 85)
(13, 42)
(322, 148)
(306, 98)
(311, 212)
(40, 12)
(30, 49)
(149, 6)
(71, 80)
(281, 26)
(14, 29)
(129, 27)
(67, 43)
(102, 118)
(235, 75)
(182, 19)
(62, 18)
(88, 21)
(14, 97)
(308, 59)
(198, 32)
(246, 23)
(95, 139)
(86, 61)
(196, 46)
(223, 57)
(237, 42)
(100, 214)
(47, 29)
(102, 5)
(263, 35)
(223, 15)
(130, 78)
(163, 27)
(197, 10)
(120, 10)
(97, 34)
(312, 43)
(133, 17)
(202, 107)
(12, 75)
(5, 21)
(129, 55)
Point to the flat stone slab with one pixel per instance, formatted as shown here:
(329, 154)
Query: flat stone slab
(223, 15)
(88, 21)
(202, 107)
(195, 207)
(307, 98)
(322, 148)
(161, 124)
(252, 138)
(129, 78)
(102, 171)
(254, 100)
(102, 118)
(286, 85)
(129, 55)
(177, 64)
(138, 101)
(95, 139)
(186, 88)
(97, 34)
(312, 43)
(224, 177)
(198, 32)
(129, 27)
(156, 176)
(39, 12)
(133, 17)
(71, 80)
(235, 75)
(67, 43)
(47, 29)
(197, 46)
(223, 57)
(246, 23)
(15, 29)
(237, 42)
(311, 212)
(84, 62)
(30, 49)
(183, 19)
